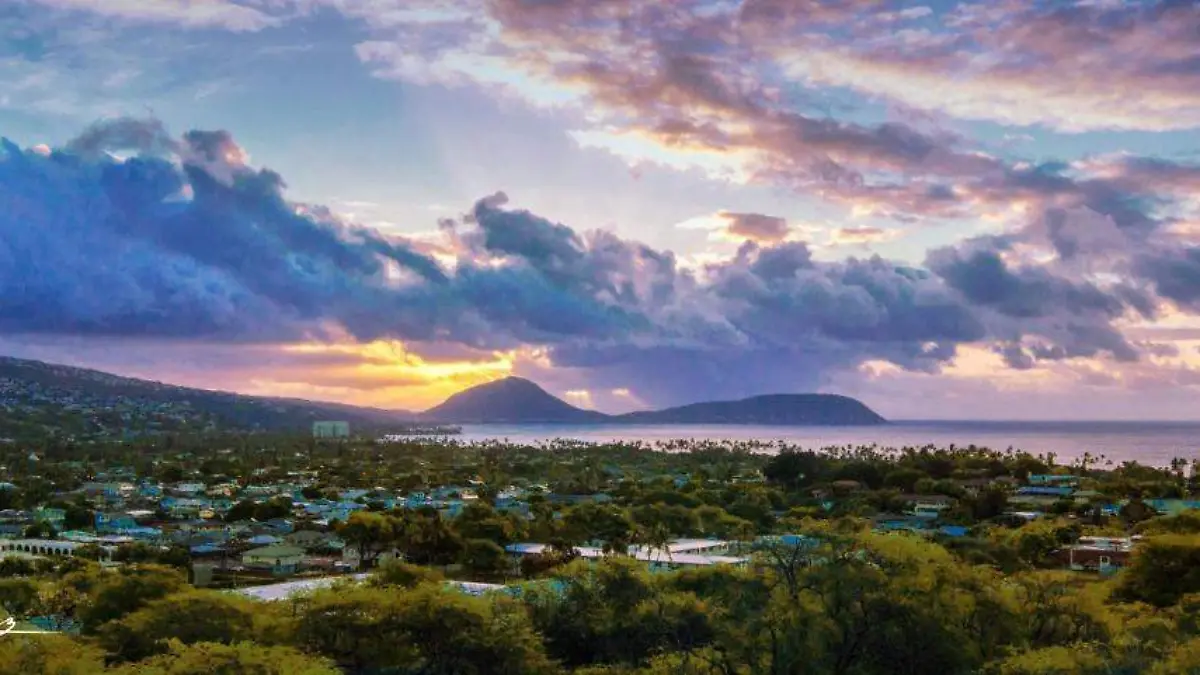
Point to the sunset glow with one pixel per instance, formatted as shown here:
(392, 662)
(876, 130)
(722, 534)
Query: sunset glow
(386, 202)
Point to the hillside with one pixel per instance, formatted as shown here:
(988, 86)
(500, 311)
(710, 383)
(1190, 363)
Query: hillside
(781, 409)
(512, 400)
(36, 397)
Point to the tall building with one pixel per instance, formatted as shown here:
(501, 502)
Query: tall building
(331, 429)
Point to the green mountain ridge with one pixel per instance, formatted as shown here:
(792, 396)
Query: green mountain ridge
(38, 397)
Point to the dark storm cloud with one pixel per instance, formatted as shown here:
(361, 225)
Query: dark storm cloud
(1175, 274)
(1065, 317)
(182, 239)
(986, 280)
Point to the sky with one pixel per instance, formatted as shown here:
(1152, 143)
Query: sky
(949, 210)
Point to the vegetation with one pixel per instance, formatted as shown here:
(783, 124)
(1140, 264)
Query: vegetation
(826, 589)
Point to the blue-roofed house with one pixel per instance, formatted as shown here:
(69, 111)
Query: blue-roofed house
(1045, 491)
(55, 517)
(206, 549)
(114, 522)
(150, 490)
(893, 522)
(1052, 479)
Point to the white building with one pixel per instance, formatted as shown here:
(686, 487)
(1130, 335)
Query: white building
(679, 553)
(331, 429)
(44, 548)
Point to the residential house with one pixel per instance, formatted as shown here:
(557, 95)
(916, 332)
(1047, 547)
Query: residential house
(928, 506)
(655, 558)
(1052, 480)
(55, 517)
(14, 522)
(278, 559)
(900, 522)
(150, 490)
(1105, 555)
(187, 489)
(111, 523)
(313, 540)
(1041, 495)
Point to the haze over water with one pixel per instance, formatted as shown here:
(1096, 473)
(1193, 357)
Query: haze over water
(1145, 442)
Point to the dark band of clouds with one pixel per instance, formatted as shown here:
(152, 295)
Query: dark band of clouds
(182, 240)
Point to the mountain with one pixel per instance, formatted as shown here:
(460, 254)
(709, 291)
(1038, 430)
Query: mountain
(513, 400)
(37, 396)
(781, 409)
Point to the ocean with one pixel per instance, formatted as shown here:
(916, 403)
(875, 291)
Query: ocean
(1154, 443)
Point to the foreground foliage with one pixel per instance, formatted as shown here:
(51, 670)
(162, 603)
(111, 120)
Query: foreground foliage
(841, 601)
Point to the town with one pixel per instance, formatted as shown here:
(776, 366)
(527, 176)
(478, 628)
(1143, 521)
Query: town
(287, 517)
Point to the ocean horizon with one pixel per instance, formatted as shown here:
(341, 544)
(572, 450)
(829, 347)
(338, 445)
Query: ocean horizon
(1147, 442)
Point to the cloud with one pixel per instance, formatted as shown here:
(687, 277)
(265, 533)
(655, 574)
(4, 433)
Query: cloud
(754, 226)
(225, 14)
(844, 236)
(741, 91)
(1062, 65)
(129, 232)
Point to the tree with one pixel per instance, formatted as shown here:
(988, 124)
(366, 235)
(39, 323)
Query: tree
(793, 470)
(18, 597)
(604, 523)
(991, 502)
(484, 559)
(426, 630)
(1163, 570)
(127, 590)
(189, 617)
(276, 507)
(78, 517)
(370, 533)
(243, 510)
(904, 479)
(1135, 511)
(40, 530)
(481, 521)
(238, 659)
(1183, 660)
(1059, 660)
(1187, 522)
(428, 540)
(611, 612)
(1034, 543)
(136, 552)
(1056, 610)
(49, 654)
(399, 574)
